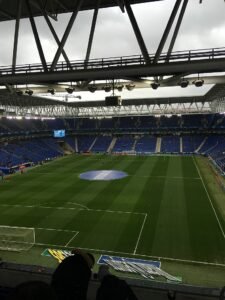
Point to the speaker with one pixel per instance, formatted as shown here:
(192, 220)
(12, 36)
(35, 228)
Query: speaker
(113, 101)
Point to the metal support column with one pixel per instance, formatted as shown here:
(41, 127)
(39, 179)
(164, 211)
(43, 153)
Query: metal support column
(66, 34)
(36, 36)
(167, 31)
(177, 28)
(55, 36)
(137, 32)
(16, 34)
(92, 32)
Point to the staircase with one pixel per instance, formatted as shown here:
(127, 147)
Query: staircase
(158, 145)
(203, 142)
(76, 145)
(181, 145)
(111, 146)
(89, 150)
(134, 144)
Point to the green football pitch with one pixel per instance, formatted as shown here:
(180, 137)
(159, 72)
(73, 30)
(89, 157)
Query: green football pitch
(162, 209)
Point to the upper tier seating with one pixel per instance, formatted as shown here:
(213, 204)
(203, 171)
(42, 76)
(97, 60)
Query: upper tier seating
(101, 144)
(146, 144)
(124, 144)
(170, 144)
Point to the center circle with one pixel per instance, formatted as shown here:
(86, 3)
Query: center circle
(103, 175)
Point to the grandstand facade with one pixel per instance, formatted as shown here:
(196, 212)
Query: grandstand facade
(31, 141)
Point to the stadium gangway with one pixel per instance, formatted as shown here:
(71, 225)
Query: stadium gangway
(123, 61)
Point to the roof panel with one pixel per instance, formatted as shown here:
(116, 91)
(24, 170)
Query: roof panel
(8, 8)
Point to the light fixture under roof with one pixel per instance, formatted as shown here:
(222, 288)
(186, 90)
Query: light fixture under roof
(92, 88)
(51, 91)
(155, 85)
(120, 87)
(130, 86)
(69, 90)
(198, 82)
(29, 92)
(107, 88)
(184, 83)
(19, 92)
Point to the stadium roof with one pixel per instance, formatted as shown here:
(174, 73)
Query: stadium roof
(8, 10)
(140, 71)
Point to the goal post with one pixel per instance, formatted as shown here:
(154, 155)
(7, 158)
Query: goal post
(14, 238)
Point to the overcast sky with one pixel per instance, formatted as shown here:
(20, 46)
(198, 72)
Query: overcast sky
(203, 26)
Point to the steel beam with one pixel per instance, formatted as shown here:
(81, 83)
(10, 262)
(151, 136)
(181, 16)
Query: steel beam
(16, 34)
(137, 32)
(36, 36)
(66, 34)
(55, 36)
(167, 31)
(121, 5)
(91, 36)
(163, 69)
(5, 14)
(177, 28)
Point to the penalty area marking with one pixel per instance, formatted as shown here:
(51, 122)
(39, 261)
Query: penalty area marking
(59, 230)
(75, 203)
(209, 198)
(140, 233)
(73, 237)
(165, 177)
(72, 208)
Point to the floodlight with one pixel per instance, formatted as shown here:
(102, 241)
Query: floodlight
(51, 91)
(120, 87)
(155, 85)
(107, 88)
(29, 92)
(130, 86)
(92, 88)
(70, 90)
(184, 83)
(198, 82)
(19, 92)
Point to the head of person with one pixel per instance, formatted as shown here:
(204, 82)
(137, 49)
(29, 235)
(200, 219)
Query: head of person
(71, 278)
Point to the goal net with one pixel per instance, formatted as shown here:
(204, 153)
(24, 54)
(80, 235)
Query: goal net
(16, 238)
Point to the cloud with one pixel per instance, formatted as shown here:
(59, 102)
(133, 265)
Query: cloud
(203, 27)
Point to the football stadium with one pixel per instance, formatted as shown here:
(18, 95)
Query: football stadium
(120, 157)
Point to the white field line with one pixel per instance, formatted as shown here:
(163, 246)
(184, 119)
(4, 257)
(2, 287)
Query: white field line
(182, 178)
(221, 228)
(135, 255)
(72, 208)
(59, 230)
(140, 233)
(75, 203)
(73, 237)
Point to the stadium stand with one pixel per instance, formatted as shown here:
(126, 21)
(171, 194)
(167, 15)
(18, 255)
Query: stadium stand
(199, 134)
(12, 274)
(146, 144)
(71, 141)
(170, 144)
(192, 143)
(34, 151)
(101, 144)
(202, 134)
(85, 143)
(124, 144)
